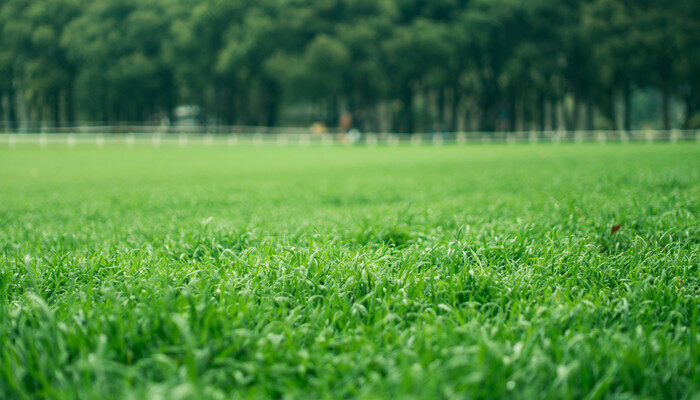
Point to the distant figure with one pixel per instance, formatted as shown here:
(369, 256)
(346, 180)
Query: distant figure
(318, 128)
(354, 136)
(345, 122)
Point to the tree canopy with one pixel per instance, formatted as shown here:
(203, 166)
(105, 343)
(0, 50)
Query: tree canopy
(403, 65)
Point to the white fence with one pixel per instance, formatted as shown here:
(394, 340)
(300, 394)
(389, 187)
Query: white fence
(368, 139)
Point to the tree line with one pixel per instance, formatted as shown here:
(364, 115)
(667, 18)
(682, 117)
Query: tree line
(400, 65)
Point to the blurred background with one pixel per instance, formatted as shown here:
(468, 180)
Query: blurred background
(368, 65)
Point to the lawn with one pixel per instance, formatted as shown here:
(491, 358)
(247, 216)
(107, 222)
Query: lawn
(479, 271)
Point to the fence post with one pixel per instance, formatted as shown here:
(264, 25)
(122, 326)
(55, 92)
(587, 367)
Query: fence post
(532, 137)
(416, 139)
(624, 136)
(232, 139)
(602, 136)
(257, 139)
(674, 136)
(392, 140)
(556, 137)
(461, 138)
(281, 140)
(371, 139)
(182, 140)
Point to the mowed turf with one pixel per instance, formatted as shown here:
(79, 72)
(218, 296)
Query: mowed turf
(413, 272)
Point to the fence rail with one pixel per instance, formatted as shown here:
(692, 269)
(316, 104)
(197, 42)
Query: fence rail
(124, 127)
(304, 138)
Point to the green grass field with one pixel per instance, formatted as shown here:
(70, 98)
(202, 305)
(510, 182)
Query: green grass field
(413, 272)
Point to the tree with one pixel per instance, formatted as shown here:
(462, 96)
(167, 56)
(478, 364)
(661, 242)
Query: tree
(118, 44)
(33, 59)
(409, 64)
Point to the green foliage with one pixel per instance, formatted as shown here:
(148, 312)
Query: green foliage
(118, 46)
(496, 63)
(410, 272)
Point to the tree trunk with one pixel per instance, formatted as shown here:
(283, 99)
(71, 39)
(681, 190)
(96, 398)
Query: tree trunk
(3, 112)
(575, 116)
(610, 109)
(553, 116)
(628, 108)
(520, 119)
(69, 109)
(512, 113)
(454, 109)
(272, 107)
(542, 112)
(332, 111)
(489, 105)
(665, 108)
(589, 115)
(11, 113)
(441, 108)
(20, 106)
(407, 118)
(56, 109)
(691, 107)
